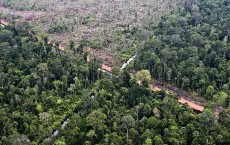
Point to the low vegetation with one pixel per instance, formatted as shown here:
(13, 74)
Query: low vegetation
(114, 26)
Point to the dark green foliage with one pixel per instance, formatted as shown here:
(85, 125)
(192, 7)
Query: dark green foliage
(37, 80)
(191, 47)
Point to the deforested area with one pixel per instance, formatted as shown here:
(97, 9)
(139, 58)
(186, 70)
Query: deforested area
(97, 24)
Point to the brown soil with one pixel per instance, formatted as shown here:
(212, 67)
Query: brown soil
(178, 91)
(185, 97)
(191, 104)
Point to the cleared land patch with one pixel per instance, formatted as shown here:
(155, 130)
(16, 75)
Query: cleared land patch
(113, 29)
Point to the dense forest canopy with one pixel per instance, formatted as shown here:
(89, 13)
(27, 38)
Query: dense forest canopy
(37, 83)
(191, 48)
(41, 86)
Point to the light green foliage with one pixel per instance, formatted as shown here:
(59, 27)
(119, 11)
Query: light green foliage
(157, 140)
(143, 76)
(220, 97)
(148, 141)
(59, 143)
(39, 108)
(210, 91)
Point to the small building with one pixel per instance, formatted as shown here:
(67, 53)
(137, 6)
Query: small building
(4, 23)
(194, 106)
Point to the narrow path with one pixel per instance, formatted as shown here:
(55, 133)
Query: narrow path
(182, 93)
(191, 104)
(184, 97)
(124, 65)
